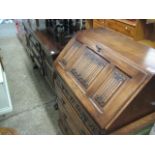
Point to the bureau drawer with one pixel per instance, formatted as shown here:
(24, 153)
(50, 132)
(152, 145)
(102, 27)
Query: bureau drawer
(81, 113)
(71, 113)
(120, 27)
(71, 118)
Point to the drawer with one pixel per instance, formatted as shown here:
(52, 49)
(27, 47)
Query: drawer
(120, 27)
(69, 120)
(98, 23)
(35, 42)
(71, 113)
(29, 51)
(61, 87)
(49, 72)
(39, 65)
(63, 124)
(35, 50)
(35, 45)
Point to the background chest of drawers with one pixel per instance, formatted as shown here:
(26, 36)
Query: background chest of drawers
(103, 82)
(138, 29)
(126, 27)
(40, 46)
(43, 40)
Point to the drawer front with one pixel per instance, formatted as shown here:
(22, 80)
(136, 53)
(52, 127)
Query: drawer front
(35, 43)
(29, 51)
(68, 123)
(35, 46)
(71, 113)
(81, 112)
(71, 120)
(120, 27)
(63, 124)
(49, 73)
(98, 23)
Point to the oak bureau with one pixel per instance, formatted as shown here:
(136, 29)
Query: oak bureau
(104, 80)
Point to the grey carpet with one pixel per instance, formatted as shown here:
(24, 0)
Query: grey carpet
(32, 99)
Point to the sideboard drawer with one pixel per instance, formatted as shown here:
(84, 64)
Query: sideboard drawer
(49, 73)
(120, 27)
(98, 23)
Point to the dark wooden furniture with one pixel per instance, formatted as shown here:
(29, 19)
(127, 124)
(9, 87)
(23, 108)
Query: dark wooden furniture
(44, 39)
(41, 47)
(135, 28)
(124, 26)
(104, 81)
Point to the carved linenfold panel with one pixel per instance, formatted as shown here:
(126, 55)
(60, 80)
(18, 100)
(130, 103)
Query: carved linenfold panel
(79, 77)
(87, 67)
(112, 83)
(70, 53)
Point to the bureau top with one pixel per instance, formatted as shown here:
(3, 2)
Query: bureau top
(141, 55)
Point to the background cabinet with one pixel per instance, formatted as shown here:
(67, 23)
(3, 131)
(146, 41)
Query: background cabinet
(43, 39)
(139, 29)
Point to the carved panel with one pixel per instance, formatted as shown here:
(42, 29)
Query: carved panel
(87, 67)
(70, 53)
(112, 83)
